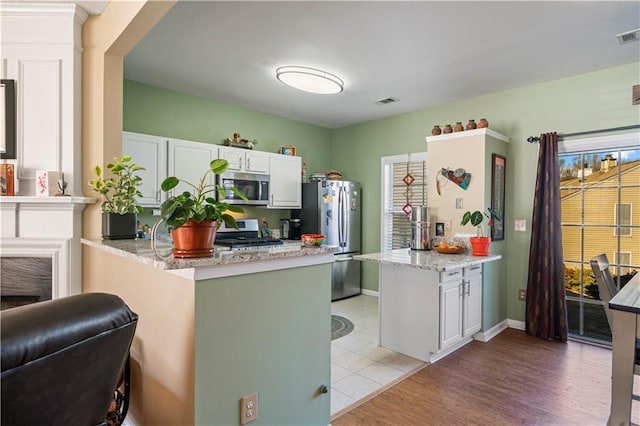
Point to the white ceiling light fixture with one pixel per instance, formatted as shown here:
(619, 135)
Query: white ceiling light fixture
(310, 80)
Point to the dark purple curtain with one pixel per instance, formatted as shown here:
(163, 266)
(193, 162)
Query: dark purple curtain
(546, 311)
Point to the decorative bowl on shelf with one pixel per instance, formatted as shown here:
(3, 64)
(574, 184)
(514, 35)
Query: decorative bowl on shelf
(449, 248)
(312, 240)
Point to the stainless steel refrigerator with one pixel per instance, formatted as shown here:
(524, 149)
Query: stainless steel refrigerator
(332, 208)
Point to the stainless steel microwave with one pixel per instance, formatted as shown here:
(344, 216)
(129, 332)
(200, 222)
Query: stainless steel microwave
(254, 186)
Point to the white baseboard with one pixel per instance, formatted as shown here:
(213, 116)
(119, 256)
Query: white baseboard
(370, 292)
(518, 325)
(485, 336)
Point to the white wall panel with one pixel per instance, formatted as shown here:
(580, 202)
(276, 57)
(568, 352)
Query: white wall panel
(39, 130)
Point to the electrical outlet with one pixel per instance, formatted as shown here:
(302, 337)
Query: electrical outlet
(458, 203)
(522, 294)
(521, 225)
(248, 408)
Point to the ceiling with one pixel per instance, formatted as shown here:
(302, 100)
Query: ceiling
(421, 53)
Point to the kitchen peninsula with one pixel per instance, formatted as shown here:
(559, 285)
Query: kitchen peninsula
(430, 303)
(213, 330)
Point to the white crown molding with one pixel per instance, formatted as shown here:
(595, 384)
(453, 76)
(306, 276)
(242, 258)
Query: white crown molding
(44, 9)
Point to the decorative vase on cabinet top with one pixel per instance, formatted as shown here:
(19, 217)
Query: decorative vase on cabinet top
(436, 130)
(458, 127)
(471, 125)
(483, 123)
(448, 129)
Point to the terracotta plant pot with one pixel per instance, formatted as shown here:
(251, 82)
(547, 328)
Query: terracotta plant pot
(480, 245)
(194, 239)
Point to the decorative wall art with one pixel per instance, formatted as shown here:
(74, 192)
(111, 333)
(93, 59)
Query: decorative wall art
(288, 150)
(498, 180)
(458, 176)
(7, 119)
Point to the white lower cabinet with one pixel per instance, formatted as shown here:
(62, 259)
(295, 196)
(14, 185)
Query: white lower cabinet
(427, 314)
(460, 305)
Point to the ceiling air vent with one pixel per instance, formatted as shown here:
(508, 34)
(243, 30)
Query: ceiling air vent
(386, 101)
(629, 36)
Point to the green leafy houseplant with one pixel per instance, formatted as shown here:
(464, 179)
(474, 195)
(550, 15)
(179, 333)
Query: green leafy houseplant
(200, 204)
(476, 218)
(119, 192)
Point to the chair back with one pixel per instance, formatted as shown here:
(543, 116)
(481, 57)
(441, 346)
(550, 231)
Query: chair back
(62, 359)
(606, 285)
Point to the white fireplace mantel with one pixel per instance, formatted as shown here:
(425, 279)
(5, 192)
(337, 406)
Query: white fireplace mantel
(46, 227)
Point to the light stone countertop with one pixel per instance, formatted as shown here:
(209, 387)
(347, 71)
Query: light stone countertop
(140, 250)
(426, 259)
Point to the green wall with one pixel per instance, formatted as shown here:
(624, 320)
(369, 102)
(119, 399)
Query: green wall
(157, 111)
(585, 102)
(267, 333)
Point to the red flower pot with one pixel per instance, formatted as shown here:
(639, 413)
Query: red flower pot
(480, 245)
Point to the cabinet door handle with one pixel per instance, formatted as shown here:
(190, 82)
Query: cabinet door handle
(461, 290)
(467, 284)
(248, 163)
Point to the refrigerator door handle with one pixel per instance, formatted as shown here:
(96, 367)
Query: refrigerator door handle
(344, 259)
(341, 218)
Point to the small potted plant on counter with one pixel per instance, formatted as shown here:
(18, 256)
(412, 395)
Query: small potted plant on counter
(479, 243)
(194, 217)
(120, 207)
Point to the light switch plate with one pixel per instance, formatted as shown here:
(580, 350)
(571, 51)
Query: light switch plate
(521, 225)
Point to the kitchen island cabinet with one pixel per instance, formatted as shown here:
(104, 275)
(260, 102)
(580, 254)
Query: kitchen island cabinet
(430, 304)
(212, 330)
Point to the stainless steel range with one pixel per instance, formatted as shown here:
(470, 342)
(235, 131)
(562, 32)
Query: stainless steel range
(246, 237)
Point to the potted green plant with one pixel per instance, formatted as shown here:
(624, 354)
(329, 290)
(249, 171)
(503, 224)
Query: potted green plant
(194, 217)
(120, 207)
(479, 243)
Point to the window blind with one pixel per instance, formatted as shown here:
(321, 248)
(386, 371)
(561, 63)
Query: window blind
(396, 232)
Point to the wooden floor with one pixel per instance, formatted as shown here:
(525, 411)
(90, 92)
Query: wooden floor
(514, 379)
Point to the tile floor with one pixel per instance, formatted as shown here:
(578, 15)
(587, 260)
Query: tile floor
(360, 368)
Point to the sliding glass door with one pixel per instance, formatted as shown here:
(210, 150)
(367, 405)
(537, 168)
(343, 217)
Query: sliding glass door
(600, 204)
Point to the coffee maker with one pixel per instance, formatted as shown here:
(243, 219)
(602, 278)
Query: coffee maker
(295, 229)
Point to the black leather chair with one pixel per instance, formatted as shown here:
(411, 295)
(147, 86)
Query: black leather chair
(63, 359)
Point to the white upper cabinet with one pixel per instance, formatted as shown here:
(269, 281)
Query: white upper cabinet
(286, 182)
(242, 160)
(149, 152)
(189, 161)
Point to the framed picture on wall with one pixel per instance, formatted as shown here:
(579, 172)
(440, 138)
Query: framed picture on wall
(7, 119)
(288, 150)
(498, 180)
